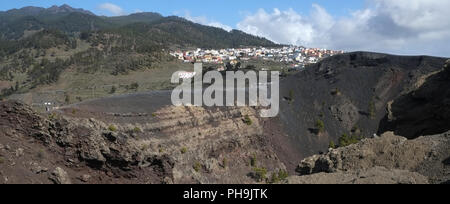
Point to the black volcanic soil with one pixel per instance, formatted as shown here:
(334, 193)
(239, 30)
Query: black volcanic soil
(340, 90)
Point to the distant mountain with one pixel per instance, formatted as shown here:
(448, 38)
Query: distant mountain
(144, 17)
(42, 42)
(34, 11)
(164, 31)
(66, 9)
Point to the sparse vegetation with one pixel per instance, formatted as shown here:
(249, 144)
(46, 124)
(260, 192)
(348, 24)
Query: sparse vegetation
(282, 174)
(197, 166)
(253, 161)
(52, 116)
(372, 109)
(145, 147)
(137, 130)
(183, 150)
(320, 126)
(248, 120)
(154, 114)
(260, 174)
(112, 128)
(332, 145)
(346, 140)
(2, 160)
(224, 163)
(291, 97)
(278, 177)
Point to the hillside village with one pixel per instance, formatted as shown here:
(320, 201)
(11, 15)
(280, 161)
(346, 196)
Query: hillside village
(296, 56)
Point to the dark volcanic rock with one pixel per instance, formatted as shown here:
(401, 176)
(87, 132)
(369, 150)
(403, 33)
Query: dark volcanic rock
(424, 111)
(348, 91)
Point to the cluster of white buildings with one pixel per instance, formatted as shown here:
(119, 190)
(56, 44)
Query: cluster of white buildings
(296, 56)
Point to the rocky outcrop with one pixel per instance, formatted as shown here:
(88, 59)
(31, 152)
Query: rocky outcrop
(424, 110)
(170, 145)
(59, 176)
(376, 175)
(383, 159)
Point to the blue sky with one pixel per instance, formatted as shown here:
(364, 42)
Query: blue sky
(406, 27)
(228, 12)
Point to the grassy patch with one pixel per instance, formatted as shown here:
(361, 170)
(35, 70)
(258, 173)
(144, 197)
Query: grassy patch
(346, 140)
(248, 120)
(279, 176)
(197, 166)
(332, 145)
(260, 173)
(137, 130)
(112, 128)
(320, 126)
(183, 150)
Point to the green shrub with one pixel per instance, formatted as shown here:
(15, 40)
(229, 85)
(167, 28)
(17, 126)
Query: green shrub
(183, 150)
(112, 128)
(2, 160)
(260, 174)
(248, 120)
(332, 145)
(346, 140)
(137, 130)
(320, 125)
(197, 166)
(274, 178)
(282, 175)
(253, 160)
(52, 116)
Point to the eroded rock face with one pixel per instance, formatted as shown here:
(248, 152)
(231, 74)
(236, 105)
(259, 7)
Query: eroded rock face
(347, 91)
(424, 156)
(423, 111)
(172, 145)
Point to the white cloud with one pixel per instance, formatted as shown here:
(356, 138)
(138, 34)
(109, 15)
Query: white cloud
(112, 9)
(205, 21)
(401, 27)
